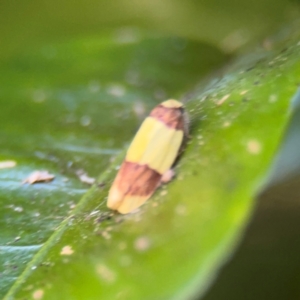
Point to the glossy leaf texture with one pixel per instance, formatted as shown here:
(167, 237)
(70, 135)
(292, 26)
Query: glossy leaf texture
(69, 108)
(173, 246)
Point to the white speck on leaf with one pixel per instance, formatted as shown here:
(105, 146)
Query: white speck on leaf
(254, 146)
(142, 244)
(66, 250)
(38, 294)
(223, 99)
(18, 209)
(39, 176)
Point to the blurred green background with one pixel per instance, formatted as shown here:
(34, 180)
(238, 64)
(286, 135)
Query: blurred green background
(77, 79)
(31, 23)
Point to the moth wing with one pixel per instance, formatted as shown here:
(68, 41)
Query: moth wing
(155, 145)
(130, 203)
(133, 180)
(151, 153)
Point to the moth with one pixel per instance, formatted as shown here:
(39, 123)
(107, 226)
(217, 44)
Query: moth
(150, 156)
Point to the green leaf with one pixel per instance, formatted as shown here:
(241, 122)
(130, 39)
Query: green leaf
(173, 246)
(72, 106)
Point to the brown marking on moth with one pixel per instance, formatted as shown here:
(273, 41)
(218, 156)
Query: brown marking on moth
(171, 117)
(136, 180)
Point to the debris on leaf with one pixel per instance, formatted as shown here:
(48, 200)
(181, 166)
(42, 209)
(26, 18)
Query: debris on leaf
(39, 176)
(84, 177)
(222, 100)
(5, 164)
(66, 250)
(142, 243)
(254, 146)
(38, 294)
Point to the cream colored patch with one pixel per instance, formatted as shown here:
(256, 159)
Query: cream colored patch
(66, 250)
(85, 178)
(223, 99)
(226, 124)
(105, 273)
(106, 235)
(142, 243)
(39, 176)
(243, 92)
(181, 210)
(155, 145)
(168, 176)
(7, 164)
(171, 103)
(254, 146)
(38, 294)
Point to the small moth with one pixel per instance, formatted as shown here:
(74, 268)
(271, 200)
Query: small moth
(150, 155)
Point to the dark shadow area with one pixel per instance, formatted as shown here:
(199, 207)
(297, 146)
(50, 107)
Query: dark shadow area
(267, 263)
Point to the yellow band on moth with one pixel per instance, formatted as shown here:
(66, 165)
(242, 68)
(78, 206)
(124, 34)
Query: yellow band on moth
(155, 145)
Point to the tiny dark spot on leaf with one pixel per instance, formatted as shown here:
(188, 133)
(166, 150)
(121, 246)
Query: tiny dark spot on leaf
(101, 184)
(103, 218)
(249, 69)
(284, 50)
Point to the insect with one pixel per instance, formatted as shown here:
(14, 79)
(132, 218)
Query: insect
(151, 154)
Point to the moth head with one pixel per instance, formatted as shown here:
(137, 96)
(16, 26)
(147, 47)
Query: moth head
(171, 103)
